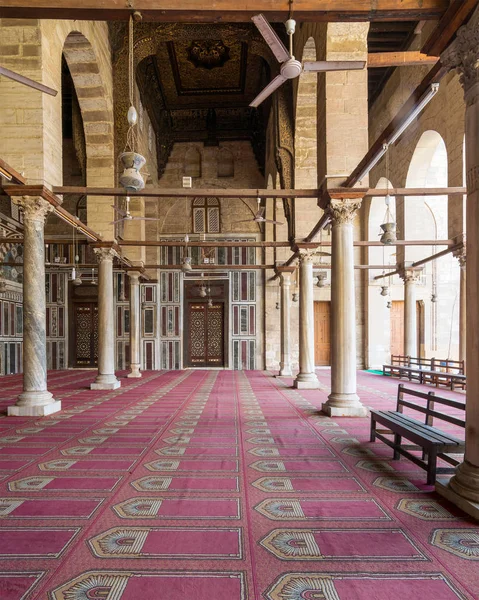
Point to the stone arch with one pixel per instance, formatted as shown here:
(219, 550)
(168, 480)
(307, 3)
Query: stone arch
(95, 106)
(427, 218)
(98, 121)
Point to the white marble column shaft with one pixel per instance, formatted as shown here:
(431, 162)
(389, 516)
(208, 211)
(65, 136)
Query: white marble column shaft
(306, 378)
(35, 400)
(463, 54)
(134, 324)
(463, 312)
(343, 400)
(106, 379)
(285, 363)
(410, 315)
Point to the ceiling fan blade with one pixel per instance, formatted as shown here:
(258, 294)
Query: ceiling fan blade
(268, 90)
(271, 38)
(119, 211)
(319, 66)
(270, 221)
(117, 221)
(244, 221)
(261, 211)
(27, 81)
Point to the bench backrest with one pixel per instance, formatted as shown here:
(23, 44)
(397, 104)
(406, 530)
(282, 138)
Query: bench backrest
(429, 409)
(445, 365)
(399, 360)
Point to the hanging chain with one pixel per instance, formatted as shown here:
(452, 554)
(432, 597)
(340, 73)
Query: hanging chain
(131, 136)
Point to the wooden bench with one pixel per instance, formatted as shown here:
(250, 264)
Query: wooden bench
(433, 442)
(431, 371)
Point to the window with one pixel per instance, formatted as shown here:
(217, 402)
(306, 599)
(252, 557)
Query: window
(206, 215)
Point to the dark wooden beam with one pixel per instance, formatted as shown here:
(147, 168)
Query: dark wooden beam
(196, 11)
(456, 15)
(188, 192)
(27, 81)
(11, 174)
(433, 76)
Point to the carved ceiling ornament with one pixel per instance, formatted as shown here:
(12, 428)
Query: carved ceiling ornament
(208, 54)
(463, 54)
(342, 212)
(34, 208)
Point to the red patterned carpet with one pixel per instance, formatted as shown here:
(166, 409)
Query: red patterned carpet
(212, 485)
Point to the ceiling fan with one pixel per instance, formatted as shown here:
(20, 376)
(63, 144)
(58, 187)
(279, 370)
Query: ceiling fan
(290, 67)
(259, 216)
(125, 215)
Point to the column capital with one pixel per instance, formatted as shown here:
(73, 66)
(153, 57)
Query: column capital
(343, 211)
(34, 208)
(460, 254)
(105, 254)
(463, 53)
(409, 275)
(306, 255)
(134, 277)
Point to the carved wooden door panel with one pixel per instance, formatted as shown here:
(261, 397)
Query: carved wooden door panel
(322, 333)
(206, 335)
(397, 327)
(86, 334)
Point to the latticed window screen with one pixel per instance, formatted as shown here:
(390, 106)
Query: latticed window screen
(206, 215)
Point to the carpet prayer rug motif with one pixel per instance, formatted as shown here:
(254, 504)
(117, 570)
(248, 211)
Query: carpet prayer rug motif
(219, 485)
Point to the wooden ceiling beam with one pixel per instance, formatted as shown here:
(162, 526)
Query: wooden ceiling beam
(456, 15)
(399, 59)
(193, 11)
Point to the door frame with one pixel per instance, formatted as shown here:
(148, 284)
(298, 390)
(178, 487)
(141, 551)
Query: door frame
(77, 295)
(318, 302)
(189, 297)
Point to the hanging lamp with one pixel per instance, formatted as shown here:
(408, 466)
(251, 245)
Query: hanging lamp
(131, 178)
(388, 236)
(186, 264)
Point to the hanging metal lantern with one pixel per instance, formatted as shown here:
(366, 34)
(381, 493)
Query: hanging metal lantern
(210, 303)
(131, 178)
(434, 297)
(186, 266)
(389, 226)
(384, 290)
(277, 306)
(202, 291)
(321, 279)
(295, 297)
(389, 304)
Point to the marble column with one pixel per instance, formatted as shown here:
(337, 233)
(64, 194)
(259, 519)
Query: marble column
(343, 400)
(462, 306)
(463, 54)
(306, 378)
(35, 400)
(134, 324)
(285, 363)
(410, 279)
(106, 379)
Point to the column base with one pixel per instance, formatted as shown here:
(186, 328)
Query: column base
(344, 405)
(135, 372)
(105, 382)
(306, 381)
(468, 506)
(285, 372)
(27, 408)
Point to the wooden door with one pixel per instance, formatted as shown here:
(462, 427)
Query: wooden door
(322, 333)
(206, 335)
(85, 334)
(397, 327)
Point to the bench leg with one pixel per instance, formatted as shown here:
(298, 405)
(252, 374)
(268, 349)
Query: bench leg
(431, 466)
(397, 442)
(372, 437)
